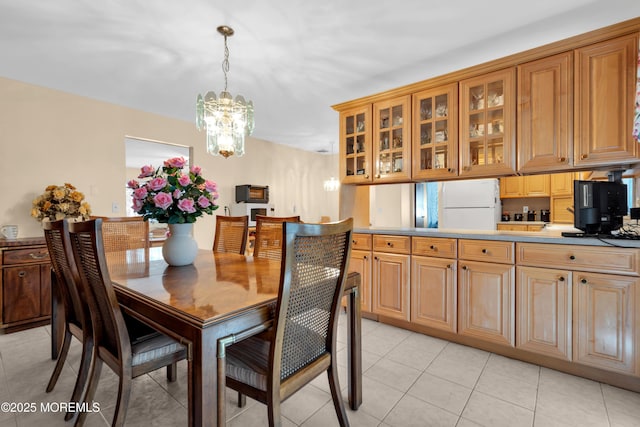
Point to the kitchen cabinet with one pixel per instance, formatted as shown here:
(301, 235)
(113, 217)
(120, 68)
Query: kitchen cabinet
(25, 283)
(360, 261)
(486, 291)
(525, 186)
(435, 133)
(545, 113)
(392, 140)
(543, 309)
(487, 124)
(390, 276)
(562, 183)
(605, 90)
(520, 227)
(355, 145)
(434, 283)
(605, 300)
(606, 328)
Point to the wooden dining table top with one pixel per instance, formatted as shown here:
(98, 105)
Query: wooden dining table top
(215, 286)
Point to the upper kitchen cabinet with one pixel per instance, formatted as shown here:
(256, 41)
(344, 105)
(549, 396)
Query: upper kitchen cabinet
(545, 114)
(487, 124)
(435, 133)
(392, 140)
(605, 84)
(355, 145)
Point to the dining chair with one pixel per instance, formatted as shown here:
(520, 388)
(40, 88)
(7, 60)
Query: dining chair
(270, 367)
(77, 321)
(124, 232)
(128, 351)
(231, 234)
(268, 240)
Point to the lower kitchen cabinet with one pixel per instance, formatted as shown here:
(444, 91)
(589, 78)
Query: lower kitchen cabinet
(486, 293)
(390, 285)
(606, 331)
(25, 285)
(543, 308)
(360, 261)
(433, 292)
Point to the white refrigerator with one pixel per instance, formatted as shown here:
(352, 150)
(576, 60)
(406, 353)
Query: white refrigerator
(469, 204)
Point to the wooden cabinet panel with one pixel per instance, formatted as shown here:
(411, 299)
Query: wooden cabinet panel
(606, 332)
(545, 113)
(392, 244)
(487, 124)
(435, 133)
(392, 140)
(360, 261)
(434, 292)
(391, 285)
(355, 145)
(560, 212)
(487, 301)
(21, 293)
(436, 247)
(537, 186)
(605, 89)
(519, 227)
(361, 241)
(584, 258)
(511, 186)
(562, 184)
(486, 250)
(543, 309)
(25, 256)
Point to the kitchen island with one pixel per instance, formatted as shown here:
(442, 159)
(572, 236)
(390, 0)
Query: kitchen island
(567, 303)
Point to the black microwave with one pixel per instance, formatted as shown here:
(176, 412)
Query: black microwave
(252, 194)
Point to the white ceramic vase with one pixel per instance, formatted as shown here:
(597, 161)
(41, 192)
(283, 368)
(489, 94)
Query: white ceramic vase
(180, 248)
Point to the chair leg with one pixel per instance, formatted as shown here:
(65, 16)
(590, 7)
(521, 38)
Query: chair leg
(83, 373)
(124, 392)
(62, 356)
(273, 409)
(242, 400)
(338, 403)
(172, 372)
(94, 378)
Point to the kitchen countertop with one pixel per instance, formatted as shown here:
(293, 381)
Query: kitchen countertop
(544, 236)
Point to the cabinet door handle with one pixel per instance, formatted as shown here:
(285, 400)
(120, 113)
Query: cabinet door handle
(583, 280)
(561, 278)
(584, 156)
(22, 274)
(451, 170)
(39, 255)
(562, 159)
(432, 247)
(464, 267)
(365, 257)
(390, 244)
(484, 251)
(448, 265)
(572, 257)
(376, 258)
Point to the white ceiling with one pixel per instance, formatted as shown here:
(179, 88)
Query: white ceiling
(293, 58)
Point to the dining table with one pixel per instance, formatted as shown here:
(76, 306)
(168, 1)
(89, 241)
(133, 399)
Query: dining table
(219, 295)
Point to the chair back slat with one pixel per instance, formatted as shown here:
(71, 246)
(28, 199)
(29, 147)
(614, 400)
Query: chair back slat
(109, 327)
(65, 272)
(231, 234)
(312, 283)
(268, 242)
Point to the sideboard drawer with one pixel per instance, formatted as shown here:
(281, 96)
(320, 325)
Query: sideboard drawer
(434, 246)
(24, 256)
(486, 250)
(392, 244)
(586, 258)
(361, 242)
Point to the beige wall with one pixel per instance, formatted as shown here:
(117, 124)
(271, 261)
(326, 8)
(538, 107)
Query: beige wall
(51, 137)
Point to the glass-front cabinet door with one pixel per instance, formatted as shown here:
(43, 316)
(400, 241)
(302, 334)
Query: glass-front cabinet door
(487, 124)
(435, 133)
(392, 140)
(355, 145)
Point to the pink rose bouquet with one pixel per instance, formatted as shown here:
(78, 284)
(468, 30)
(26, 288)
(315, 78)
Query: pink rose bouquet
(171, 195)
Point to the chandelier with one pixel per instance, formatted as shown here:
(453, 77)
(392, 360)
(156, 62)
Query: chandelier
(226, 120)
(331, 184)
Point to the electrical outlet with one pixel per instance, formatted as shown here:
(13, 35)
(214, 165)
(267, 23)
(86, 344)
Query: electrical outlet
(115, 207)
(525, 209)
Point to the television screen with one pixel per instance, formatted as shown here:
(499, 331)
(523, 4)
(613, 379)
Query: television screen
(599, 206)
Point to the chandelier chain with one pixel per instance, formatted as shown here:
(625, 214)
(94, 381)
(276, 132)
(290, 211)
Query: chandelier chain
(225, 62)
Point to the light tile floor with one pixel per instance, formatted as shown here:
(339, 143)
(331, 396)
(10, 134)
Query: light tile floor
(409, 380)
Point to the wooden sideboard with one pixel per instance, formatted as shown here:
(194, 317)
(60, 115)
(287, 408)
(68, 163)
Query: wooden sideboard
(25, 284)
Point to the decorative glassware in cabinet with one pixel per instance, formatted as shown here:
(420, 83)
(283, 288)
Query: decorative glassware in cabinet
(434, 114)
(354, 145)
(390, 133)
